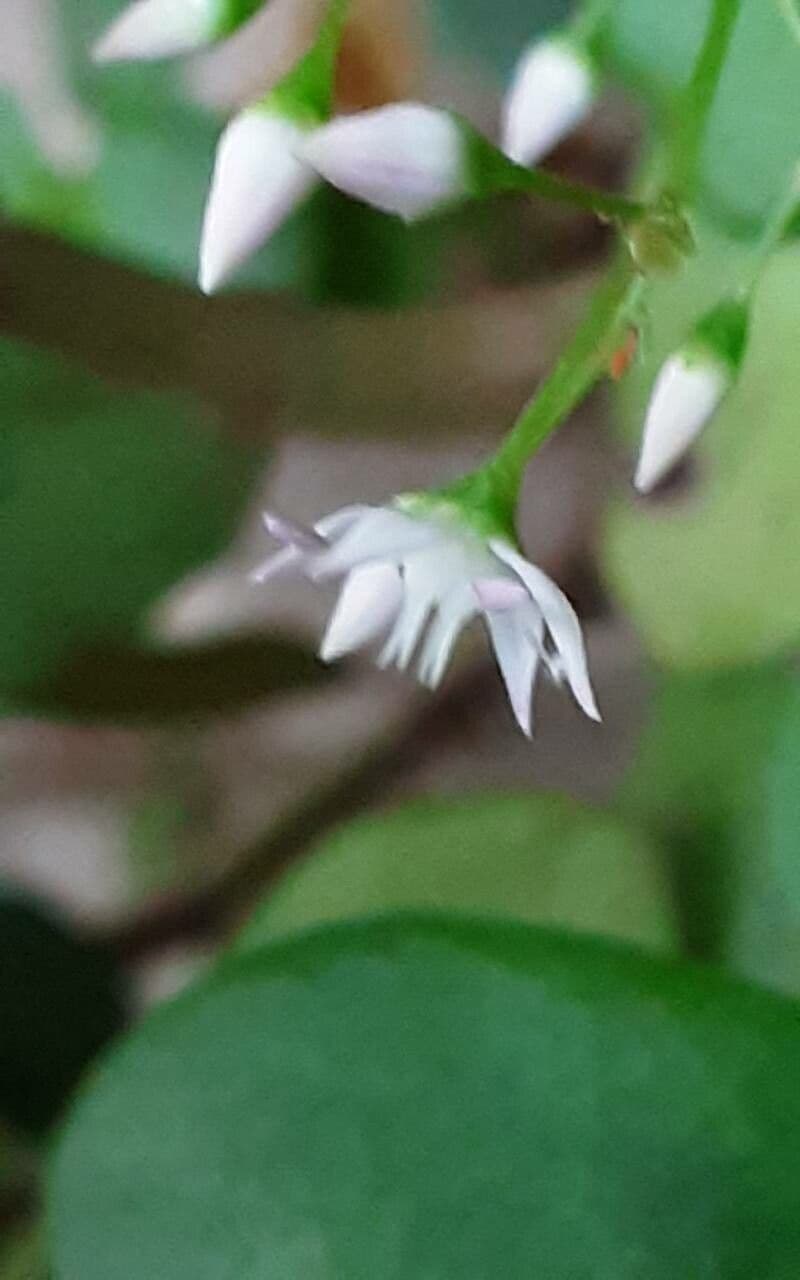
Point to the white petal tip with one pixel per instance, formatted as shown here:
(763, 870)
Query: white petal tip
(685, 397)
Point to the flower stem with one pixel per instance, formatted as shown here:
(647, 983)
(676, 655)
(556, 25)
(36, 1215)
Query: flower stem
(699, 97)
(578, 369)
(590, 18)
(775, 229)
(612, 208)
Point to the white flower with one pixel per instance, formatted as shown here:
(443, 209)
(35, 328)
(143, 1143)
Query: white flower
(151, 29)
(423, 578)
(686, 394)
(258, 182)
(552, 91)
(406, 158)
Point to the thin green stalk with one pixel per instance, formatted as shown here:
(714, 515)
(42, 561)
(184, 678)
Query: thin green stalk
(612, 208)
(580, 366)
(699, 97)
(590, 18)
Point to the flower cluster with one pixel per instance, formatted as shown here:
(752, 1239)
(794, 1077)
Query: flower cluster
(418, 570)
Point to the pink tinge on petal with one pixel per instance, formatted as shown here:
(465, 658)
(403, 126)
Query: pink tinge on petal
(499, 594)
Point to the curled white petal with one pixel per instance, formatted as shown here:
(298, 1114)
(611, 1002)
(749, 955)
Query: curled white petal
(685, 396)
(258, 182)
(280, 565)
(151, 29)
(290, 533)
(518, 659)
(405, 158)
(561, 620)
(552, 91)
(367, 604)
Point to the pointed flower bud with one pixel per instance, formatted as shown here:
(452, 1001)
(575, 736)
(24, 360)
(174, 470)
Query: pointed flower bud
(689, 389)
(260, 177)
(151, 29)
(554, 86)
(406, 158)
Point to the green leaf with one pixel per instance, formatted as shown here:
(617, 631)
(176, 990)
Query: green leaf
(543, 859)
(713, 579)
(137, 686)
(751, 143)
(764, 938)
(60, 1001)
(434, 1097)
(106, 499)
(695, 774)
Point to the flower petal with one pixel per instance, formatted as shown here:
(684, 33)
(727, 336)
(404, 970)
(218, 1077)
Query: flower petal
(380, 534)
(368, 602)
(551, 93)
(499, 594)
(453, 614)
(292, 534)
(280, 565)
(518, 658)
(684, 398)
(156, 29)
(561, 619)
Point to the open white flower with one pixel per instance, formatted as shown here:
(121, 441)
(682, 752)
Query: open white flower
(422, 578)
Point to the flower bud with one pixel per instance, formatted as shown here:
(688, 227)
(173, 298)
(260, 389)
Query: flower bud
(552, 91)
(406, 158)
(258, 182)
(689, 389)
(151, 29)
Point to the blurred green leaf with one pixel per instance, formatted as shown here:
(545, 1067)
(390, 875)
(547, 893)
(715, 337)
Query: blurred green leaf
(752, 136)
(543, 859)
(695, 775)
(60, 1002)
(764, 940)
(106, 499)
(434, 1097)
(140, 687)
(23, 1257)
(713, 579)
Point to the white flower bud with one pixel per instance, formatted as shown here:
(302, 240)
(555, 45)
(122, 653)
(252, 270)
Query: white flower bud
(552, 91)
(406, 158)
(690, 387)
(258, 182)
(152, 29)
(687, 393)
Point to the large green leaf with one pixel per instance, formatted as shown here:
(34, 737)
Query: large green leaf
(714, 579)
(539, 858)
(106, 499)
(432, 1098)
(60, 1001)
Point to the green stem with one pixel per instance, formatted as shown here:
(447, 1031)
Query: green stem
(698, 99)
(589, 19)
(612, 208)
(792, 15)
(578, 369)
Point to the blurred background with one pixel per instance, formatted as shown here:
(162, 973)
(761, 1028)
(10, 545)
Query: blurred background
(172, 753)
